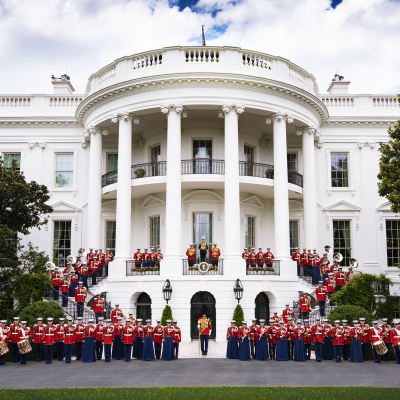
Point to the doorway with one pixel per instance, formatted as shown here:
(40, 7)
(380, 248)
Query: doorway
(262, 307)
(202, 302)
(143, 307)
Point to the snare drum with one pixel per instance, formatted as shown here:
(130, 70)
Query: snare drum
(24, 346)
(380, 347)
(3, 348)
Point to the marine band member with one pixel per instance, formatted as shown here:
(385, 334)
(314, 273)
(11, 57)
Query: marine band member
(191, 255)
(203, 247)
(215, 254)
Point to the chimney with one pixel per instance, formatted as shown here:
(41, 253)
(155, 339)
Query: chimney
(62, 85)
(339, 85)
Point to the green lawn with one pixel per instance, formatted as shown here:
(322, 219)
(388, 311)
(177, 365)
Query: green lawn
(193, 393)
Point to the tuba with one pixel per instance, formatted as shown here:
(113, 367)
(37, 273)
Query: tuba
(50, 265)
(328, 249)
(82, 252)
(71, 259)
(353, 263)
(337, 257)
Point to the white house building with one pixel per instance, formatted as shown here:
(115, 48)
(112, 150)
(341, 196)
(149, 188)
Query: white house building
(238, 146)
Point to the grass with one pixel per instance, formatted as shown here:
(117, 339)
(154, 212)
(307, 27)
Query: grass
(194, 393)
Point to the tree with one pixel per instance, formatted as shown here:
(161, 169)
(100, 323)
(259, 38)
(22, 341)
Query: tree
(238, 316)
(43, 309)
(389, 168)
(32, 260)
(350, 313)
(166, 314)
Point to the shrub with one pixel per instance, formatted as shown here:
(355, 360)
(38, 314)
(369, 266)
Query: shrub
(167, 314)
(238, 316)
(350, 313)
(44, 309)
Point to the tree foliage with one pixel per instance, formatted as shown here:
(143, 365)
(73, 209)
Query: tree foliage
(238, 316)
(44, 309)
(32, 260)
(166, 314)
(351, 313)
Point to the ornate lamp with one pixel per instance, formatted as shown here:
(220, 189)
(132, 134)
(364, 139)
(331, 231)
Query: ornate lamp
(167, 290)
(238, 290)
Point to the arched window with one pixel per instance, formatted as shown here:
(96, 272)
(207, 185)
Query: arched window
(143, 307)
(144, 298)
(262, 307)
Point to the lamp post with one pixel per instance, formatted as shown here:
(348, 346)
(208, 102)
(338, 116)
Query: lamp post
(238, 290)
(167, 290)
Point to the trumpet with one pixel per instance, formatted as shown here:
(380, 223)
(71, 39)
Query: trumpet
(328, 249)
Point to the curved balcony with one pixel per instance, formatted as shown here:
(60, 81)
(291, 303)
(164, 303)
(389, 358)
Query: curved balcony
(203, 166)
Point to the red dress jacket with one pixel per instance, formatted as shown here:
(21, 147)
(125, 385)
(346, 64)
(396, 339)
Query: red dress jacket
(364, 333)
(128, 333)
(90, 331)
(232, 332)
(99, 332)
(206, 331)
(50, 334)
(158, 334)
(148, 331)
(14, 328)
(169, 331)
(177, 334)
(98, 305)
(25, 333)
(322, 293)
(38, 333)
(296, 256)
(115, 314)
(268, 257)
(108, 337)
(308, 337)
(139, 331)
(337, 335)
(69, 334)
(79, 333)
(395, 336)
(375, 334)
(253, 333)
(317, 332)
(60, 332)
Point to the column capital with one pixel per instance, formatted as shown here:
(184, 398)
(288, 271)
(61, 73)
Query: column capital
(226, 108)
(92, 130)
(361, 144)
(178, 108)
(279, 116)
(311, 130)
(125, 116)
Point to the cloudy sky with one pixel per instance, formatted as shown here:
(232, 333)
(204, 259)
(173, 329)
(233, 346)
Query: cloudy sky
(38, 38)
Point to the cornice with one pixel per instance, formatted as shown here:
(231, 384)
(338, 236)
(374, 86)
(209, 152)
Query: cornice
(162, 82)
(359, 122)
(31, 122)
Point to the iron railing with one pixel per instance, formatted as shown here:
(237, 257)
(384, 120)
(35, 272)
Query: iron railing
(131, 269)
(109, 178)
(308, 274)
(295, 178)
(149, 169)
(203, 166)
(256, 270)
(194, 270)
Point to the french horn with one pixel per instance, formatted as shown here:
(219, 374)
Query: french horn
(328, 249)
(337, 257)
(353, 263)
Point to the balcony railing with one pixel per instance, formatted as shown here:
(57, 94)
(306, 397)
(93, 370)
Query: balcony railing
(203, 166)
(149, 169)
(131, 269)
(276, 269)
(109, 178)
(267, 171)
(194, 270)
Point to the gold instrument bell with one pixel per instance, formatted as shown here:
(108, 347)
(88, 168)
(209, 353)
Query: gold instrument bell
(328, 249)
(337, 257)
(353, 263)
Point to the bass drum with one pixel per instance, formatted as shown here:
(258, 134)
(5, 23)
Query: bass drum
(380, 347)
(24, 346)
(3, 348)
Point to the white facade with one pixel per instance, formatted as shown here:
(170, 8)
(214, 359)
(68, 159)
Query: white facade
(233, 98)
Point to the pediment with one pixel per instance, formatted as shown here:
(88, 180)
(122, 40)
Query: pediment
(253, 201)
(151, 201)
(342, 206)
(202, 196)
(385, 207)
(62, 206)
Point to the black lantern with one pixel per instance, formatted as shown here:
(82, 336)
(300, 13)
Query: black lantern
(167, 290)
(238, 290)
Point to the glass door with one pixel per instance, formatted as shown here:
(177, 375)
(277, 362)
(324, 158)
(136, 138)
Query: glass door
(202, 155)
(249, 160)
(155, 158)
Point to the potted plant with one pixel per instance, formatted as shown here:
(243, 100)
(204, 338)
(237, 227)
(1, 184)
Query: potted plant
(269, 173)
(140, 173)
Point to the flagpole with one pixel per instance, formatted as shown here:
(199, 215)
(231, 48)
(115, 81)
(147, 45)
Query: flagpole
(203, 37)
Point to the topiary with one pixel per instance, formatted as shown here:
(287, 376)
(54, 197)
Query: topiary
(167, 314)
(44, 309)
(350, 313)
(238, 316)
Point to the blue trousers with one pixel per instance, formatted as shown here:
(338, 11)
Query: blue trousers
(337, 288)
(94, 279)
(24, 358)
(2, 359)
(318, 350)
(307, 346)
(385, 357)
(79, 308)
(98, 315)
(38, 351)
(78, 350)
(48, 352)
(14, 352)
(305, 314)
(107, 352)
(377, 357)
(64, 299)
(68, 352)
(397, 354)
(204, 344)
(127, 351)
(157, 350)
(60, 351)
(345, 352)
(176, 350)
(56, 292)
(99, 349)
(321, 308)
(338, 352)
(84, 280)
(365, 350)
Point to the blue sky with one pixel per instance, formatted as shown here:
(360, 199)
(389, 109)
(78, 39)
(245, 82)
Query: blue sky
(39, 38)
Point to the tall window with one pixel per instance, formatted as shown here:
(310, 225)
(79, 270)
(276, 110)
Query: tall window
(155, 158)
(202, 148)
(155, 232)
(249, 160)
(110, 236)
(341, 240)
(294, 235)
(250, 239)
(8, 159)
(112, 162)
(64, 170)
(393, 243)
(202, 226)
(340, 170)
(62, 241)
(292, 162)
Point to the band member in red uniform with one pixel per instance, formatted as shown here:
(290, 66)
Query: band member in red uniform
(108, 340)
(159, 257)
(322, 296)
(296, 257)
(55, 276)
(191, 255)
(315, 272)
(158, 338)
(59, 338)
(204, 326)
(245, 256)
(69, 339)
(346, 340)
(395, 339)
(273, 326)
(109, 257)
(128, 337)
(340, 279)
(117, 312)
(244, 344)
(24, 333)
(73, 278)
(64, 282)
(304, 263)
(145, 259)
(102, 260)
(138, 259)
(329, 283)
(80, 298)
(232, 341)
(356, 354)
(148, 349)
(324, 267)
(99, 306)
(317, 332)
(95, 269)
(118, 347)
(287, 312)
(49, 338)
(79, 338)
(375, 335)
(84, 274)
(168, 340)
(268, 257)
(14, 335)
(253, 258)
(282, 353)
(253, 337)
(290, 326)
(327, 347)
(364, 338)
(307, 338)
(139, 333)
(38, 338)
(262, 341)
(215, 254)
(260, 258)
(276, 318)
(152, 259)
(89, 350)
(177, 338)
(336, 334)
(305, 305)
(385, 337)
(99, 334)
(4, 336)
(299, 351)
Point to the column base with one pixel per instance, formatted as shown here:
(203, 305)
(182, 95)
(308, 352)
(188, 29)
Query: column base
(117, 269)
(288, 268)
(171, 266)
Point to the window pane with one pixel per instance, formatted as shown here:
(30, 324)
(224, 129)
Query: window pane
(294, 235)
(292, 162)
(339, 170)
(202, 226)
(112, 163)
(249, 233)
(248, 154)
(342, 240)
(62, 241)
(155, 232)
(8, 159)
(202, 148)
(110, 236)
(64, 179)
(392, 242)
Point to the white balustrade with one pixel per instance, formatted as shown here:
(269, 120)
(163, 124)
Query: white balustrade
(64, 101)
(338, 101)
(146, 60)
(107, 74)
(385, 101)
(257, 60)
(15, 101)
(203, 54)
(296, 74)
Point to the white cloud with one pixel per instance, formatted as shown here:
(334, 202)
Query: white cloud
(42, 37)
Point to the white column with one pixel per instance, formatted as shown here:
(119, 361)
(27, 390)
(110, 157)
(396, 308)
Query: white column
(172, 264)
(231, 251)
(94, 194)
(309, 188)
(123, 219)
